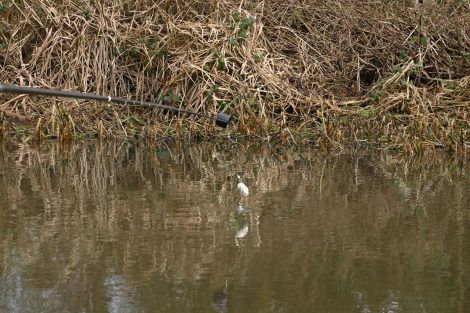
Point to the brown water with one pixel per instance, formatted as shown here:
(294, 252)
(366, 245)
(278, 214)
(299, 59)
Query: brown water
(118, 227)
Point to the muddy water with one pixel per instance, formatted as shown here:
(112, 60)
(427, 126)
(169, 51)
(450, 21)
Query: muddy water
(118, 227)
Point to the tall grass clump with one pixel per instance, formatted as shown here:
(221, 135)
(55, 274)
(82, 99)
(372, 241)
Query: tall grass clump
(390, 72)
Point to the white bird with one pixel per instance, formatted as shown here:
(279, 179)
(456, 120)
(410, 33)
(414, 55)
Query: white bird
(242, 232)
(242, 187)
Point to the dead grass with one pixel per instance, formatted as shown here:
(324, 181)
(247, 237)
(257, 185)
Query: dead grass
(329, 72)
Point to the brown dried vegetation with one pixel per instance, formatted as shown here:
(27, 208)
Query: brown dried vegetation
(390, 72)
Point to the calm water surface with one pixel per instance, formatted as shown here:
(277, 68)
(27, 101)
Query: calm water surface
(118, 227)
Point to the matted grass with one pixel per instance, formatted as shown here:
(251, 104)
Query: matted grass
(395, 73)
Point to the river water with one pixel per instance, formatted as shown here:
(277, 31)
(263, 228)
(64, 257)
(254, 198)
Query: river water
(122, 227)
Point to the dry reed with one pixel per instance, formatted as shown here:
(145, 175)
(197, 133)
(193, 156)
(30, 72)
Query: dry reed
(327, 72)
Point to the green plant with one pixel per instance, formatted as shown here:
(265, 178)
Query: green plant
(170, 97)
(244, 26)
(87, 15)
(417, 69)
(221, 65)
(375, 95)
(134, 52)
(4, 6)
(368, 112)
(258, 58)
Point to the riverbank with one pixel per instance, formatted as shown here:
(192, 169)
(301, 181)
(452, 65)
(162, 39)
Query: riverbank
(392, 73)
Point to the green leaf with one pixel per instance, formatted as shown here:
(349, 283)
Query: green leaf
(247, 23)
(134, 52)
(87, 15)
(5, 6)
(243, 34)
(221, 66)
(423, 40)
(375, 95)
(162, 52)
(258, 58)
(236, 16)
(119, 51)
(233, 41)
(170, 97)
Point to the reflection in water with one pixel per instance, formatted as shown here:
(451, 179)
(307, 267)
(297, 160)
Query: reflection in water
(220, 299)
(242, 231)
(119, 227)
(240, 210)
(121, 296)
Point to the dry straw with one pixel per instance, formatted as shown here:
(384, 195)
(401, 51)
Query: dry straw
(392, 72)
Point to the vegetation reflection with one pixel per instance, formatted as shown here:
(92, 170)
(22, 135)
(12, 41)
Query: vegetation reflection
(148, 227)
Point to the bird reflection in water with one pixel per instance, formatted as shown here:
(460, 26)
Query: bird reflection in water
(241, 223)
(220, 299)
(242, 232)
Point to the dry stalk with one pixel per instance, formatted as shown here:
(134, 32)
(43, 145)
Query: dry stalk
(380, 67)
